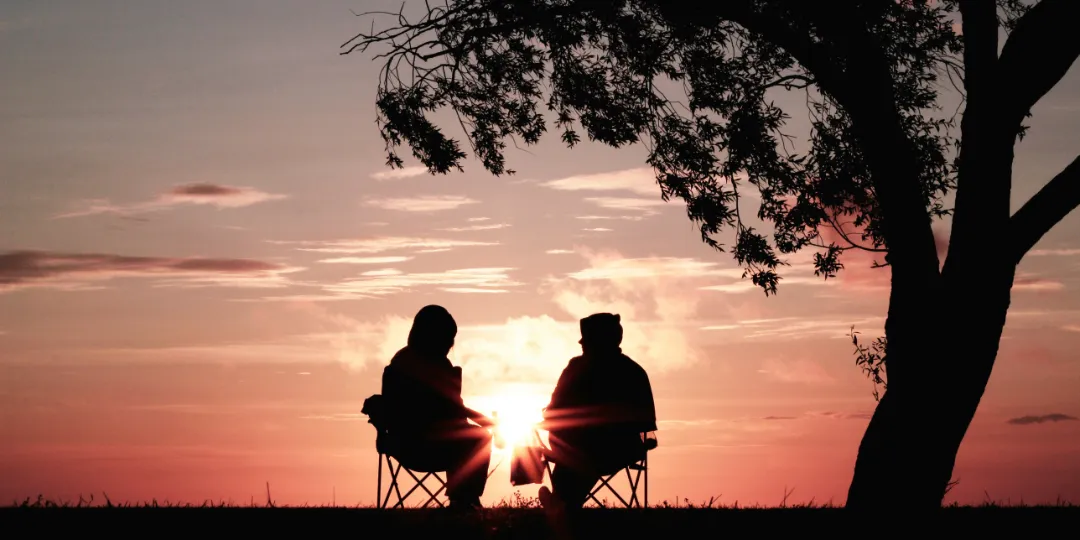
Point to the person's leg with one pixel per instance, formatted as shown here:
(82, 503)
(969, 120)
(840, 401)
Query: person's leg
(572, 485)
(470, 447)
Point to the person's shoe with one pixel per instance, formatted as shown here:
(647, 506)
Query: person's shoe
(544, 496)
(556, 512)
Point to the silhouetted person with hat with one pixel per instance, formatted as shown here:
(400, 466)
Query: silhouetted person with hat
(424, 422)
(601, 405)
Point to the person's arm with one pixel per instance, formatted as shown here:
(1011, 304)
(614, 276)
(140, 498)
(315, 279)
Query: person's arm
(459, 401)
(479, 417)
(646, 408)
(553, 413)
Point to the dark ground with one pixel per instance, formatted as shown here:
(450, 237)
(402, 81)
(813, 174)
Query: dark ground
(595, 524)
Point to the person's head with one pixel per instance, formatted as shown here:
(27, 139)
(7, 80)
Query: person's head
(601, 331)
(433, 330)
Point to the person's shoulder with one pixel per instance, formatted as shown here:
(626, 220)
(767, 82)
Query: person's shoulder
(575, 363)
(634, 366)
(403, 355)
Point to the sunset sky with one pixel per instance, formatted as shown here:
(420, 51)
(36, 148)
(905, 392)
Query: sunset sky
(205, 263)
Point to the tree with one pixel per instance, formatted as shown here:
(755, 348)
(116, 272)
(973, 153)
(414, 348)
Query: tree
(880, 159)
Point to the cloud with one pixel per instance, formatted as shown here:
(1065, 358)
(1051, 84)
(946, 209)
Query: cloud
(1030, 282)
(1071, 328)
(381, 244)
(598, 229)
(428, 203)
(392, 281)
(362, 344)
(80, 271)
(365, 260)
(627, 203)
(397, 174)
(1054, 252)
(221, 196)
(598, 218)
(655, 297)
(526, 349)
(789, 276)
(611, 266)
(477, 227)
(559, 251)
(652, 295)
(476, 219)
(794, 328)
(640, 180)
(780, 418)
(337, 417)
(840, 415)
(1040, 419)
(799, 370)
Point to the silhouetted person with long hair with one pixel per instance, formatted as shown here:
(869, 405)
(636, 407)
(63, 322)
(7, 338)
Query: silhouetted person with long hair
(599, 409)
(428, 421)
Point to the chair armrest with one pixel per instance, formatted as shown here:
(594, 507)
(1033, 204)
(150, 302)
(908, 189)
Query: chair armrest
(648, 438)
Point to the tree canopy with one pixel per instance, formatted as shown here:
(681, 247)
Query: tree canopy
(600, 68)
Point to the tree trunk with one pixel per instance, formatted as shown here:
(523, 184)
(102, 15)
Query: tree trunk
(907, 455)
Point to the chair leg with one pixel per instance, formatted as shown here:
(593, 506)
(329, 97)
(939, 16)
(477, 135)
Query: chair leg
(434, 497)
(419, 484)
(633, 481)
(605, 482)
(378, 488)
(394, 487)
(594, 491)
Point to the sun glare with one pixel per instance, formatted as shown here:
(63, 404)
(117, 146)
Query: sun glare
(516, 412)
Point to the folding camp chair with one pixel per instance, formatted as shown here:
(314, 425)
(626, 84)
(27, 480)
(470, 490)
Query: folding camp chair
(375, 408)
(637, 476)
(394, 484)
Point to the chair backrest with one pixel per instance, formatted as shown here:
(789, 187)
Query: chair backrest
(392, 380)
(395, 384)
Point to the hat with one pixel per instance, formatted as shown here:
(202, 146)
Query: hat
(600, 327)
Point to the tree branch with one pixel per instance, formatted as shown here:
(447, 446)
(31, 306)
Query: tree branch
(980, 46)
(1038, 53)
(814, 56)
(1044, 210)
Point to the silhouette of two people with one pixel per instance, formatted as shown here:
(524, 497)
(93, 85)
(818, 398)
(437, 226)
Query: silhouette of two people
(598, 411)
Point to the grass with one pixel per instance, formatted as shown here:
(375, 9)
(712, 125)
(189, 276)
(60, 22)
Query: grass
(515, 518)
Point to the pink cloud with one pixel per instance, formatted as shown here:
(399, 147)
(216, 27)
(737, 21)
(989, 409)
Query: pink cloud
(221, 196)
(1032, 283)
(798, 370)
(206, 190)
(77, 271)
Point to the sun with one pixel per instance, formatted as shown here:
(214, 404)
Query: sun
(516, 414)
